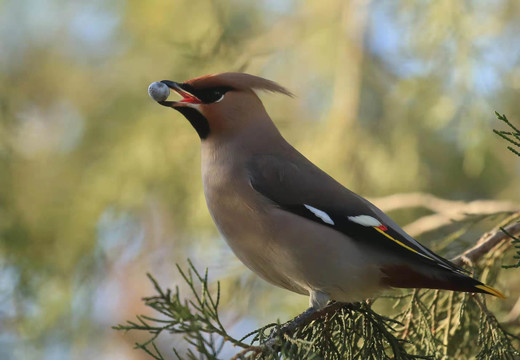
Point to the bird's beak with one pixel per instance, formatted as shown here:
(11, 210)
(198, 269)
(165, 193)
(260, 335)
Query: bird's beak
(187, 98)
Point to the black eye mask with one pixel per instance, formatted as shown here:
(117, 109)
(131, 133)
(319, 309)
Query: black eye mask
(209, 95)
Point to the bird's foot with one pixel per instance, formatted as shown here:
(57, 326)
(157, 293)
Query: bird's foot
(288, 328)
(273, 342)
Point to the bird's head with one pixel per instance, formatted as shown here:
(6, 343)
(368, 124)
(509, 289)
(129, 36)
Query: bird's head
(219, 103)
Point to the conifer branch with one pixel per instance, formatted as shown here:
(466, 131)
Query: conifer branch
(512, 136)
(486, 243)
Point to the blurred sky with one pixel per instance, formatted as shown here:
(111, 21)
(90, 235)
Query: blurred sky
(99, 185)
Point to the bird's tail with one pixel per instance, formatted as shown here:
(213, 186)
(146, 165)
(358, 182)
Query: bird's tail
(404, 276)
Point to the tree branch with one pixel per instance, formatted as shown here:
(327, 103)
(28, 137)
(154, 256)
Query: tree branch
(442, 206)
(486, 243)
(445, 211)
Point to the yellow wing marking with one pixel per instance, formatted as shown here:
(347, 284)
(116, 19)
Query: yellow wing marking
(491, 291)
(400, 243)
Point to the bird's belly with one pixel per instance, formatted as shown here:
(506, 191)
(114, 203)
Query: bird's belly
(247, 236)
(297, 254)
(324, 259)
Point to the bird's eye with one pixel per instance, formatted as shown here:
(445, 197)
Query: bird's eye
(212, 95)
(219, 95)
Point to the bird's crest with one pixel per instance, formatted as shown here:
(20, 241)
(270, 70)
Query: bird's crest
(238, 81)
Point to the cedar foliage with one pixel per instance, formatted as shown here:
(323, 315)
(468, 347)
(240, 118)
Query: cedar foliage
(512, 135)
(427, 324)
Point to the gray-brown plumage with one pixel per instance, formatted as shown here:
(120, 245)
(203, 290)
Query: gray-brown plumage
(286, 219)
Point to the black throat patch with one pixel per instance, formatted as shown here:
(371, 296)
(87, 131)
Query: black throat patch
(196, 119)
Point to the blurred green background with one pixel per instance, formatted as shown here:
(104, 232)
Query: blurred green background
(99, 185)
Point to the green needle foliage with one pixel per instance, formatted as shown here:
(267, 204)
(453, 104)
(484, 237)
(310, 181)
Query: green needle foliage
(515, 241)
(425, 324)
(512, 136)
(197, 318)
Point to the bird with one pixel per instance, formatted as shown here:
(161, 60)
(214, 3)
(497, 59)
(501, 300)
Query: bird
(287, 220)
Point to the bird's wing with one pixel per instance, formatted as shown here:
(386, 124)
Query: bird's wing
(296, 185)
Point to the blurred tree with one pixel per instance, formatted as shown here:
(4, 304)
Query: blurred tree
(97, 184)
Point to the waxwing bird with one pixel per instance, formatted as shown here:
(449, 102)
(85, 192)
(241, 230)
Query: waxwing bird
(283, 217)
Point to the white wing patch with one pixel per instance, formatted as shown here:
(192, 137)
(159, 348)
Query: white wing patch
(365, 220)
(321, 214)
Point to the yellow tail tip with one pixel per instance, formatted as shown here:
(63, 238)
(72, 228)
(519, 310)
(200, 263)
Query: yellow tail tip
(491, 291)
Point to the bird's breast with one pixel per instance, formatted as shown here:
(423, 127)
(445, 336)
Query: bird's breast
(242, 217)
